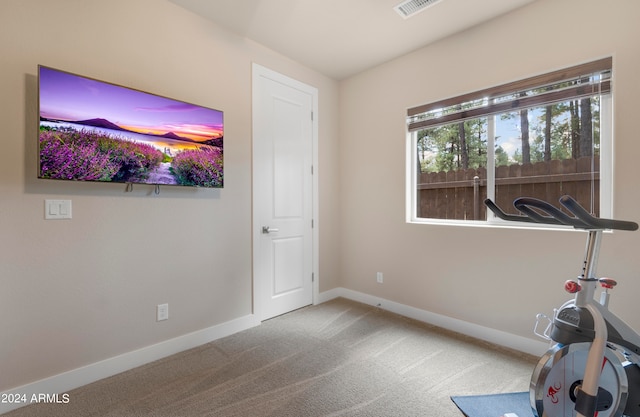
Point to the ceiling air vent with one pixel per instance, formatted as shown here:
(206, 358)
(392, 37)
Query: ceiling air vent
(409, 8)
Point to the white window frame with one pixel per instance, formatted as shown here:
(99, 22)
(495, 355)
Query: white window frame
(605, 176)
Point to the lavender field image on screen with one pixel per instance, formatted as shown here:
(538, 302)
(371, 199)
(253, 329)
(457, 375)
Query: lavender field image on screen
(96, 131)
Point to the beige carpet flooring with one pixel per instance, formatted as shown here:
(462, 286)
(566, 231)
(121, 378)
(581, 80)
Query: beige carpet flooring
(339, 358)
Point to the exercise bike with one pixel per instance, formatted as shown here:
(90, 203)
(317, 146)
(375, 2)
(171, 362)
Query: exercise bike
(592, 368)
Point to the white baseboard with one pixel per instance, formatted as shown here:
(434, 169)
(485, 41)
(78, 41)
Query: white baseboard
(498, 337)
(75, 378)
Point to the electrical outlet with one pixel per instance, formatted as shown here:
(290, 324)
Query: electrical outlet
(379, 277)
(162, 312)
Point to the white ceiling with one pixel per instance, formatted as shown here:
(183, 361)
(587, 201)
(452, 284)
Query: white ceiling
(340, 38)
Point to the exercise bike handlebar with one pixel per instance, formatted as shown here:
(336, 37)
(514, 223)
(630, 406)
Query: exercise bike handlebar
(545, 213)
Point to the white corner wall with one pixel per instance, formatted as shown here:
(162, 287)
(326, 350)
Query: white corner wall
(498, 279)
(82, 292)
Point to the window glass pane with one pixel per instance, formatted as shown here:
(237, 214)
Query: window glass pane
(452, 171)
(543, 152)
(547, 152)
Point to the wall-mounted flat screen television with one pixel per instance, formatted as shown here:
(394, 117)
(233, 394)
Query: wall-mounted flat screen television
(93, 130)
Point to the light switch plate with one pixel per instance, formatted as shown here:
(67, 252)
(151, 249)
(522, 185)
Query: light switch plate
(57, 209)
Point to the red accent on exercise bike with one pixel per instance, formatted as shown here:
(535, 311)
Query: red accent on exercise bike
(572, 287)
(553, 391)
(607, 283)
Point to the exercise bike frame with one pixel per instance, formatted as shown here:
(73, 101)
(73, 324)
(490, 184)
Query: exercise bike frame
(538, 211)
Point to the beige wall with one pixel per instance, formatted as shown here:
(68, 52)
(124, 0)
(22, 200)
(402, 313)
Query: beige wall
(495, 278)
(76, 292)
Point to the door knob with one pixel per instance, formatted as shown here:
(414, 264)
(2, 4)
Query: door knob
(267, 230)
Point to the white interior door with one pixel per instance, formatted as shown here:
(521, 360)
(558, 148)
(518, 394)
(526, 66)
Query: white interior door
(283, 191)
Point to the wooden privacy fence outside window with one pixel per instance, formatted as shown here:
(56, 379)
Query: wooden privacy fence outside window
(460, 195)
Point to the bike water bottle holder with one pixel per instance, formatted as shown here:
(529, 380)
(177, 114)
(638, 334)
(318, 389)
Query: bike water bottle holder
(548, 324)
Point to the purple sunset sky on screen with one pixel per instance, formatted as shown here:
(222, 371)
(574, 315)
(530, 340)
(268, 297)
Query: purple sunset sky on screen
(68, 97)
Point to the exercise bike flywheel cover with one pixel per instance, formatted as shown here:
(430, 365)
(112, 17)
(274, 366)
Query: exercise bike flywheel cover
(561, 369)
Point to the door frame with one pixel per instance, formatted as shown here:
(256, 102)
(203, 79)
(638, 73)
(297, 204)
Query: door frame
(257, 72)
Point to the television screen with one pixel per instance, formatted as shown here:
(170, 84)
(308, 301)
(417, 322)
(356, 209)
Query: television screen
(92, 130)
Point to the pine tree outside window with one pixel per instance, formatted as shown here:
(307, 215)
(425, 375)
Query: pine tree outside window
(541, 137)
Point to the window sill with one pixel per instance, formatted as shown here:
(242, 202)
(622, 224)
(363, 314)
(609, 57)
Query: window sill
(493, 224)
